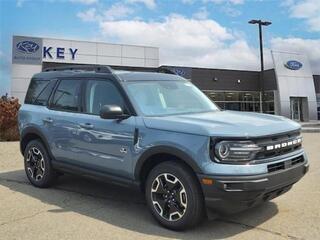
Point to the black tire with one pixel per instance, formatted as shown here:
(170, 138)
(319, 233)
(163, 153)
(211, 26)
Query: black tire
(186, 206)
(37, 165)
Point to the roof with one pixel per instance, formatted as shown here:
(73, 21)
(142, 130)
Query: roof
(103, 72)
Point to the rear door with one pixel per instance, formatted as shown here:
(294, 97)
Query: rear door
(63, 120)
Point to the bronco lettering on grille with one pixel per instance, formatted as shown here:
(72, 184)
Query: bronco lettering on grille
(284, 144)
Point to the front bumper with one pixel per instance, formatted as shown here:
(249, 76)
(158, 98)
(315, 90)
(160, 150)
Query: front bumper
(230, 194)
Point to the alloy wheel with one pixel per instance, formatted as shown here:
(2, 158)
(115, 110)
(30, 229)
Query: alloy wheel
(35, 164)
(169, 197)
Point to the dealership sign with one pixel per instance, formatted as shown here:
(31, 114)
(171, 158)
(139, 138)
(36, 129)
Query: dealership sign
(293, 65)
(31, 51)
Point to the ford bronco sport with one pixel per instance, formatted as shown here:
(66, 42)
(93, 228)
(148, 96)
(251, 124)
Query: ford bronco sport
(161, 134)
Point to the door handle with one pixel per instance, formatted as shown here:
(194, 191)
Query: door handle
(47, 120)
(86, 125)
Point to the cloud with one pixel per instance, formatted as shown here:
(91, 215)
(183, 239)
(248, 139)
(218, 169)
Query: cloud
(20, 3)
(234, 2)
(115, 12)
(201, 14)
(86, 2)
(186, 42)
(151, 4)
(89, 15)
(231, 11)
(308, 46)
(309, 10)
(188, 1)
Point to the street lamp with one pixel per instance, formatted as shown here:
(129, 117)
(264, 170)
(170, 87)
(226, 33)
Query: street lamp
(261, 23)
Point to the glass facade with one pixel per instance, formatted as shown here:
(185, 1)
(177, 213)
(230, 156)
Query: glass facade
(318, 105)
(242, 100)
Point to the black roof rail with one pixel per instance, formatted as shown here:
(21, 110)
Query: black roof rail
(95, 68)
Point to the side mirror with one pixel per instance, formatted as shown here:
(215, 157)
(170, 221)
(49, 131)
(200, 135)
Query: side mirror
(112, 112)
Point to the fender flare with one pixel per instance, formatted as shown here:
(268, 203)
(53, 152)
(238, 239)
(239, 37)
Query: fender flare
(165, 150)
(35, 131)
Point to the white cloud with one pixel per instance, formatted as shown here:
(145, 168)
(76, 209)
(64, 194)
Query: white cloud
(309, 10)
(87, 2)
(201, 14)
(89, 16)
(231, 11)
(235, 2)
(115, 12)
(186, 42)
(308, 46)
(151, 4)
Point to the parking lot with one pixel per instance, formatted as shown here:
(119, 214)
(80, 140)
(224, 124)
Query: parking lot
(78, 208)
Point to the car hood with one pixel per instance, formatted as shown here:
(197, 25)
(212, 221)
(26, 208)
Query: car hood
(223, 124)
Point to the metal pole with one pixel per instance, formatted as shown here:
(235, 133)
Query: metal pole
(262, 68)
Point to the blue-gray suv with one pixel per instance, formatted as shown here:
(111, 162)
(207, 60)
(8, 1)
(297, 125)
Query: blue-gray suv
(159, 133)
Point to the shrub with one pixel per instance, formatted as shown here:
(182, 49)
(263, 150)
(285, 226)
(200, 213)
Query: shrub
(9, 107)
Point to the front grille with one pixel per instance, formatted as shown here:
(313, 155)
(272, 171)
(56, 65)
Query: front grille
(277, 140)
(297, 160)
(274, 167)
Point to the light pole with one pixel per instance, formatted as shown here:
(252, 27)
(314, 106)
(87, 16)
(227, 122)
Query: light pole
(261, 23)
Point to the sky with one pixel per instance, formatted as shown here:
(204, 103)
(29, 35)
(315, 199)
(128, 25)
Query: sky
(198, 33)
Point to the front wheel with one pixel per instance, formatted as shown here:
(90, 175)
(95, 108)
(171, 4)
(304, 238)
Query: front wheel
(174, 196)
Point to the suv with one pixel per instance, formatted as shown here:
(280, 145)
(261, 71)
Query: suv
(159, 133)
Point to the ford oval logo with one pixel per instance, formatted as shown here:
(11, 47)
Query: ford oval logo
(27, 47)
(293, 65)
(179, 71)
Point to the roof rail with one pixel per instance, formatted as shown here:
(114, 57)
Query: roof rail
(95, 68)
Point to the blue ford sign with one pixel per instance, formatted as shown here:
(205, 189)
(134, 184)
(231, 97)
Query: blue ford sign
(293, 65)
(28, 47)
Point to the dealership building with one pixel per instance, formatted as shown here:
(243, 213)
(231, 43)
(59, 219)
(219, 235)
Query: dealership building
(289, 89)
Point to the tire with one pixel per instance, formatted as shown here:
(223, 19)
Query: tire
(174, 196)
(37, 165)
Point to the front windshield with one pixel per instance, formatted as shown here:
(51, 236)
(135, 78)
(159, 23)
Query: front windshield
(156, 98)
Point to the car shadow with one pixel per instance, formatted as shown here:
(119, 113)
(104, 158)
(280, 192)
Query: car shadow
(126, 208)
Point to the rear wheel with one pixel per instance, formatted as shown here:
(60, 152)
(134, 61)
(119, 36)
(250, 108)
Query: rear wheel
(174, 196)
(37, 165)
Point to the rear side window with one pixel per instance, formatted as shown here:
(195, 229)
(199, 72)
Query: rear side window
(67, 96)
(35, 88)
(44, 95)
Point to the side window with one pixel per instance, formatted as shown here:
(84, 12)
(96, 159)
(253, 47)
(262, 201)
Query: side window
(35, 88)
(67, 96)
(99, 93)
(44, 95)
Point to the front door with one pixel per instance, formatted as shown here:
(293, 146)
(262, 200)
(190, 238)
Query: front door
(107, 144)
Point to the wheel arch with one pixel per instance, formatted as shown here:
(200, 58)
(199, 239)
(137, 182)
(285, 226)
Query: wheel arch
(29, 134)
(158, 154)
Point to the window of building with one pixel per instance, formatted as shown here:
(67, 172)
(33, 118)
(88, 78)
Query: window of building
(318, 105)
(100, 93)
(67, 96)
(242, 100)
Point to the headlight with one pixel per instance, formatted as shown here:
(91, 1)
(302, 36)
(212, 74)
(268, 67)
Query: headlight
(235, 151)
